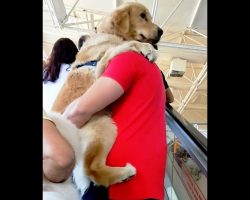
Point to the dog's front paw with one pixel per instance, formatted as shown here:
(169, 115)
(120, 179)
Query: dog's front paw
(152, 56)
(148, 51)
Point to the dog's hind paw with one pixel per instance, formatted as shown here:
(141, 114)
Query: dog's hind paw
(131, 168)
(130, 172)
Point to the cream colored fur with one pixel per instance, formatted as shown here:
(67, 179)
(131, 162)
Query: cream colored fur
(99, 133)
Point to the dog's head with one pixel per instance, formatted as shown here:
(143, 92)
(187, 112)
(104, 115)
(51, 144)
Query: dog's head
(131, 21)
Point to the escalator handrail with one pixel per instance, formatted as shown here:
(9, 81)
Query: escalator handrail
(188, 143)
(191, 131)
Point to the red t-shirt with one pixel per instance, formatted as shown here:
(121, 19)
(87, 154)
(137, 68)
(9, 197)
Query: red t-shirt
(140, 117)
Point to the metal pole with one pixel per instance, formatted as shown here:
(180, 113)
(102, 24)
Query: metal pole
(171, 13)
(154, 8)
(199, 33)
(193, 88)
(195, 13)
(194, 40)
(201, 49)
(67, 16)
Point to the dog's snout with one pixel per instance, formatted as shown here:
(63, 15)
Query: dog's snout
(157, 35)
(160, 32)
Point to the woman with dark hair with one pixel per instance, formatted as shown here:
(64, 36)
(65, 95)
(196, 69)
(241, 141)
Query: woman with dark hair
(64, 52)
(56, 69)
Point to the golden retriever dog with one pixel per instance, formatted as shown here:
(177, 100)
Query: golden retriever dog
(129, 22)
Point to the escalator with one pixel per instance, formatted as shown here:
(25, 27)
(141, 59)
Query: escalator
(186, 173)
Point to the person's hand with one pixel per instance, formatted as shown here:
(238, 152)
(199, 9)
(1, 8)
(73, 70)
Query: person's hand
(72, 113)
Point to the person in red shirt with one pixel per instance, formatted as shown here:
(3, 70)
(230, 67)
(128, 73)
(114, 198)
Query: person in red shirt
(132, 87)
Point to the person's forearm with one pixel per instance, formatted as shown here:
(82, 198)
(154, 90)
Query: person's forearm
(79, 118)
(77, 115)
(58, 155)
(101, 94)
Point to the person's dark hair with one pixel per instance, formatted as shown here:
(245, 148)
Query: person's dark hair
(81, 40)
(63, 51)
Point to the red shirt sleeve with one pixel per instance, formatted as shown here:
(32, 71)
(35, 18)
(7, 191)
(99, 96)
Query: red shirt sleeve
(123, 69)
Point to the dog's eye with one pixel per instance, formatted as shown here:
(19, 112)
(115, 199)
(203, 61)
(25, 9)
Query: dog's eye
(143, 15)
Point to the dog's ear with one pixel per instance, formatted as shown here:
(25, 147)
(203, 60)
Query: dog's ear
(120, 20)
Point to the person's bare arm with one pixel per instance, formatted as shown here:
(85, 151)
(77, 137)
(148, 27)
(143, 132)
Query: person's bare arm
(102, 93)
(58, 155)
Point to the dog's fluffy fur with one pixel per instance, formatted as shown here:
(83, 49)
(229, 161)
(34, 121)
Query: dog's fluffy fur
(129, 22)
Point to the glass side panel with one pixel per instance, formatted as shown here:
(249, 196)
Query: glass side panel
(183, 180)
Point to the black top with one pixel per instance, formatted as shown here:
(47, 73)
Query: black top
(164, 81)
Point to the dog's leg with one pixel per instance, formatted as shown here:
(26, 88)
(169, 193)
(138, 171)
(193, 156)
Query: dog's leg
(146, 49)
(96, 143)
(99, 172)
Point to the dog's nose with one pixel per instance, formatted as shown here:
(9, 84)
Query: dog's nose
(160, 32)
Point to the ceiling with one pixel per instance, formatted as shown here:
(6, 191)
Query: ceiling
(185, 36)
